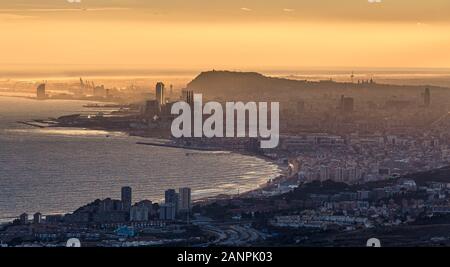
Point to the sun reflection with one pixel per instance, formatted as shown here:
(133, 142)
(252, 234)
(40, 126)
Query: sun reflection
(70, 132)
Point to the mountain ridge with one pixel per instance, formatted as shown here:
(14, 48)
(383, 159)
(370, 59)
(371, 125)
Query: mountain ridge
(223, 82)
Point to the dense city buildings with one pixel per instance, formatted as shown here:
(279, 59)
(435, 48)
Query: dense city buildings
(141, 211)
(167, 211)
(114, 218)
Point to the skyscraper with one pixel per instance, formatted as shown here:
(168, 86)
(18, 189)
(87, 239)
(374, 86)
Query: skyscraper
(427, 97)
(126, 198)
(347, 104)
(172, 197)
(185, 202)
(160, 97)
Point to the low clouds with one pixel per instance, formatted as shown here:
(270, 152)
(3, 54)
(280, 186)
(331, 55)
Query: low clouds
(407, 11)
(7, 16)
(246, 9)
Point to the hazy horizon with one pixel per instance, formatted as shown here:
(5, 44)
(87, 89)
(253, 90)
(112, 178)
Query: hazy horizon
(202, 34)
(18, 71)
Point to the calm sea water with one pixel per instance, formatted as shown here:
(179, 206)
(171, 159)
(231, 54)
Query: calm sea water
(58, 170)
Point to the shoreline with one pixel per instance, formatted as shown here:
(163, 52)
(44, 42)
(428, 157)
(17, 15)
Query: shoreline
(263, 186)
(152, 141)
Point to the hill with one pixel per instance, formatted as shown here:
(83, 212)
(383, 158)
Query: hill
(228, 83)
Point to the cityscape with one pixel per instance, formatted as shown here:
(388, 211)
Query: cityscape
(145, 124)
(357, 175)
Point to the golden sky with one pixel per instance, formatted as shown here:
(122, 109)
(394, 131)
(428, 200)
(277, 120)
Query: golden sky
(234, 34)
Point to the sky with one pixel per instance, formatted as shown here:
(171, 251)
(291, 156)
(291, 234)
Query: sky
(231, 34)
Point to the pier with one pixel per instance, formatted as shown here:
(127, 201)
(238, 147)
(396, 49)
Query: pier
(179, 146)
(32, 124)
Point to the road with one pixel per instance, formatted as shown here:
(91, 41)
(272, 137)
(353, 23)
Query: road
(230, 233)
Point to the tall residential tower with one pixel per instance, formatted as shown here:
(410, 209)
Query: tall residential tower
(126, 198)
(160, 96)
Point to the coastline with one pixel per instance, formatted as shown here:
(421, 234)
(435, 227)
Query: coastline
(264, 183)
(257, 185)
(262, 186)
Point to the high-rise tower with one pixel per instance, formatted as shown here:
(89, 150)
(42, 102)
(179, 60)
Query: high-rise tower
(427, 97)
(185, 201)
(126, 198)
(160, 97)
